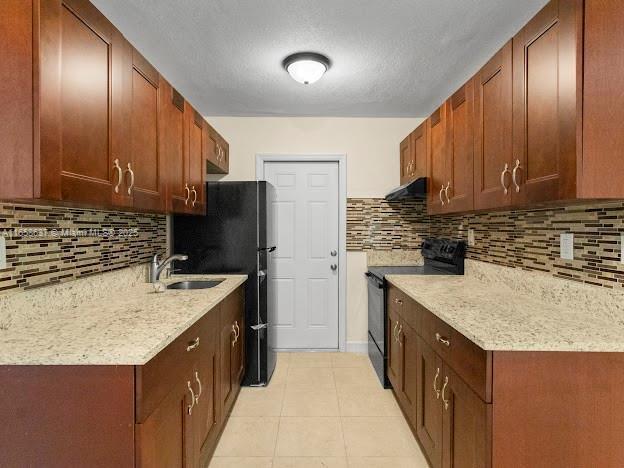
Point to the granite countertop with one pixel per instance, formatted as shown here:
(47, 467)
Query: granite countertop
(128, 326)
(526, 312)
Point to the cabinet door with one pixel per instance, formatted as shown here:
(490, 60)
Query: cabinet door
(196, 162)
(460, 162)
(239, 348)
(394, 350)
(493, 125)
(544, 104)
(218, 157)
(174, 146)
(465, 423)
(437, 161)
(146, 164)
(408, 343)
(419, 151)
(165, 438)
(428, 404)
(207, 408)
(227, 336)
(405, 154)
(77, 126)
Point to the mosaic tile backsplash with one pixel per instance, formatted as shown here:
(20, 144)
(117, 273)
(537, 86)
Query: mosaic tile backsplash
(527, 239)
(48, 245)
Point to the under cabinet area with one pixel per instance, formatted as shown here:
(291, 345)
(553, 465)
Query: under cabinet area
(117, 135)
(475, 408)
(168, 412)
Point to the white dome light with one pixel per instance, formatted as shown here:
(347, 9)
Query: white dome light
(306, 67)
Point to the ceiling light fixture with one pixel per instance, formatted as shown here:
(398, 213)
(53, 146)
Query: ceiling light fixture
(306, 67)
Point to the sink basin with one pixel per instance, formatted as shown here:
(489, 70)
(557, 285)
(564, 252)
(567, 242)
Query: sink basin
(194, 284)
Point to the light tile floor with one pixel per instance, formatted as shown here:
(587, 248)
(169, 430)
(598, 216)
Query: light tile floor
(320, 410)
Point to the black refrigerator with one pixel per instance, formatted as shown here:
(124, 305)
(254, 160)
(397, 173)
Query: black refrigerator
(236, 236)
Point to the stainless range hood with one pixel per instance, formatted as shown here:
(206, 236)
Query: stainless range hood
(415, 189)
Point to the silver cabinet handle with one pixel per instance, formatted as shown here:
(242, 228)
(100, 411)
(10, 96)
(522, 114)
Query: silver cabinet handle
(440, 195)
(435, 384)
(399, 335)
(396, 324)
(189, 408)
(443, 340)
(235, 337)
(502, 178)
(194, 192)
(513, 175)
(199, 392)
(448, 200)
(131, 186)
(446, 402)
(193, 344)
(187, 191)
(117, 167)
(237, 330)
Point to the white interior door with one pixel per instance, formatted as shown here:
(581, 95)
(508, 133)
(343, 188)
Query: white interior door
(303, 271)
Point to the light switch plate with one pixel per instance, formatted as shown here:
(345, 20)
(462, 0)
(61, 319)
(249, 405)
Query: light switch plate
(3, 263)
(471, 238)
(566, 242)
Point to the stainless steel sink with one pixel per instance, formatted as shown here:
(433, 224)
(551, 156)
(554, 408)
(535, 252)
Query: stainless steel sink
(194, 284)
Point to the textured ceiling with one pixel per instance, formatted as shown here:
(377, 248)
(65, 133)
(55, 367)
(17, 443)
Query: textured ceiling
(391, 58)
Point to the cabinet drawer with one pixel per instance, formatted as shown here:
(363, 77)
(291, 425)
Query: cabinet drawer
(401, 304)
(472, 364)
(155, 379)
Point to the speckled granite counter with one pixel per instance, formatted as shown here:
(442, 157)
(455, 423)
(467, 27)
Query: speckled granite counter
(127, 325)
(505, 309)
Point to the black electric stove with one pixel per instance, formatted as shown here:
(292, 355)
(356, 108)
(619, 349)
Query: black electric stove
(441, 257)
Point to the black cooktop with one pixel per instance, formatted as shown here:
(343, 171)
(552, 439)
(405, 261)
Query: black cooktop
(441, 257)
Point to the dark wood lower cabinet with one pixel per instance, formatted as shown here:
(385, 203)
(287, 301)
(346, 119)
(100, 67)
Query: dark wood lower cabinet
(428, 408)
(166, 413)
(495, 409)
(465, 425)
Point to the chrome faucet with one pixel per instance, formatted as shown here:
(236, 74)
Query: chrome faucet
(158, 267)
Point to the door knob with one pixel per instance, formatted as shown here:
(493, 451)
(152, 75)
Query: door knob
(334, 267)
(333, 253)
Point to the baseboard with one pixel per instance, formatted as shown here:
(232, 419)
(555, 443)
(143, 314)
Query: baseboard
(360, 347)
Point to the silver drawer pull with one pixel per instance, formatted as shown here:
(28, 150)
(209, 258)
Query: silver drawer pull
(189, 408)
(435, 384)
(502, 178)
(193, 344)
(394, 334)
(199, 392)
(446, 402)
(399, 335)
(235, 335)
(443, 340)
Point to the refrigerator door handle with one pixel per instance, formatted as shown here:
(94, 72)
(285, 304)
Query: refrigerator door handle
(260, 326)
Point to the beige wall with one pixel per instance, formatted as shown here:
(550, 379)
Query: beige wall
(372, 149)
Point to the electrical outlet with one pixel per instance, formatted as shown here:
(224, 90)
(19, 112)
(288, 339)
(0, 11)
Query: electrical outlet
(566, 245)
(3, 263)
(471, 238)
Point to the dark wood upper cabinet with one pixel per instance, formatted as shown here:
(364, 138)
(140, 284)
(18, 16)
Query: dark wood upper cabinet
(459, 165)
(492, 136)
(148, 185)
(406, 159)
(465, 425)
(218, 153)
(419, 151)
(196, 163)
(89, 121)
(545, 104)
(438, 147)
(174, 148)
(78, 128)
